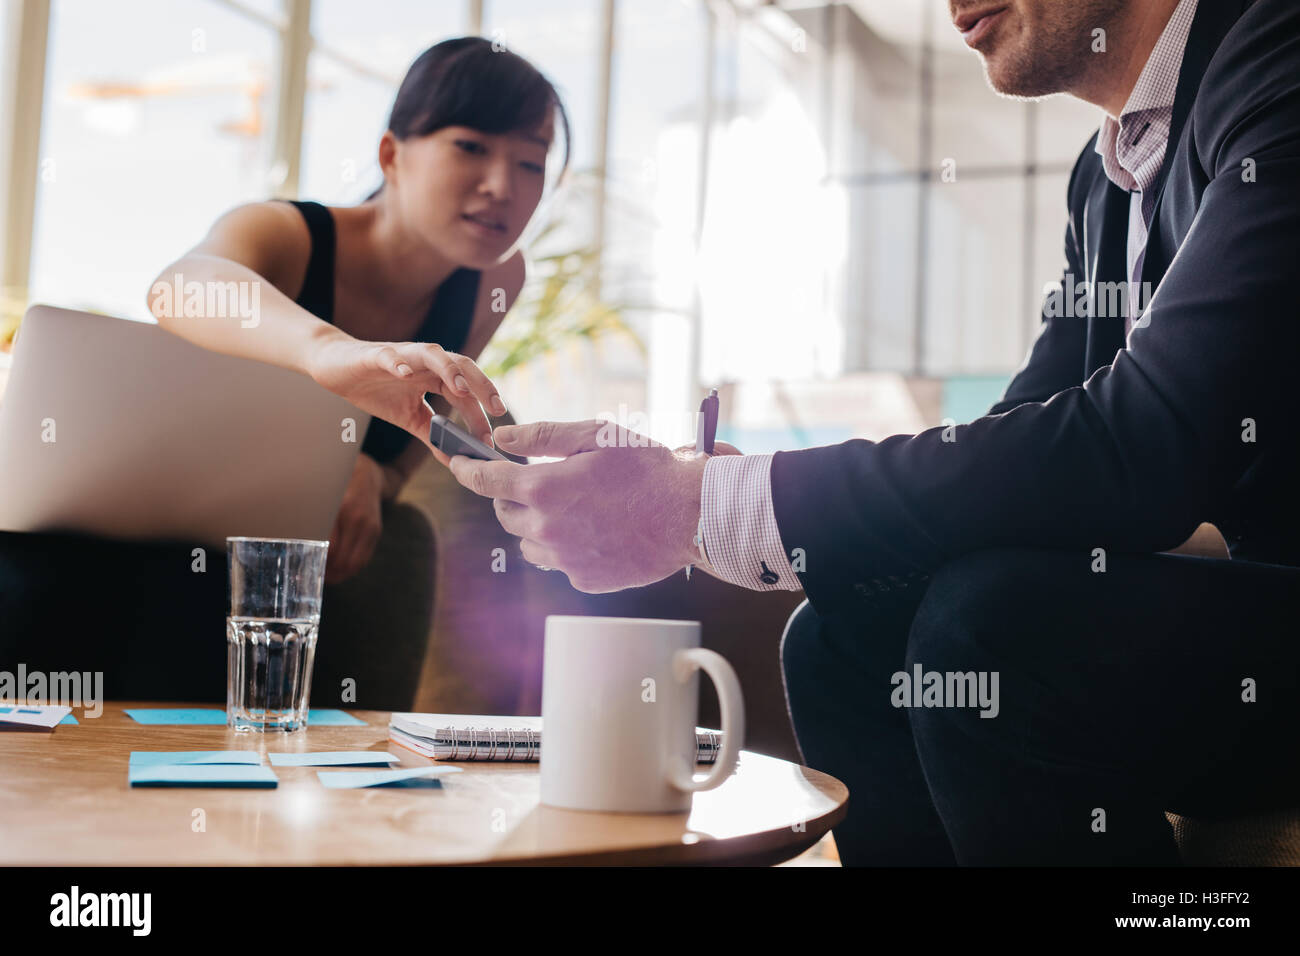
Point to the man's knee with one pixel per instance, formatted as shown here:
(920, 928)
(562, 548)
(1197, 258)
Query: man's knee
(858, 645)
(984, 644)
(844, 655)
(800, 633)
(980, 607)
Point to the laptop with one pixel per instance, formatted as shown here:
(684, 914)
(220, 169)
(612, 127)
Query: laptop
(121, 429)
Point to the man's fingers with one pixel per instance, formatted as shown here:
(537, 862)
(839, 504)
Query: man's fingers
(551, 439)
(539, 554)
(518, 519)
(510, 515)
(492, 479)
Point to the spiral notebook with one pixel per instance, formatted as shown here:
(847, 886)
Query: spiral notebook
(482, 737)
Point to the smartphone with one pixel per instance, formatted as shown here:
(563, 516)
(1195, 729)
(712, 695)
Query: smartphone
(452, 441)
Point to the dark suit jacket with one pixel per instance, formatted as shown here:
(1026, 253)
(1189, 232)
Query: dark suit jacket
(1096, 444)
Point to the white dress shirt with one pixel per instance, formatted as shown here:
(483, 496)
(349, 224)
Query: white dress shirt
(1132, 148)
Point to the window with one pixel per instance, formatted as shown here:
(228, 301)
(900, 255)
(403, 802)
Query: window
(361, 52)
(559, 37)
(145, 141)
(960, 190)
(773, 230)
(821, 238)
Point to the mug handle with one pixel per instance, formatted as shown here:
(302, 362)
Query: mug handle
(732, 704)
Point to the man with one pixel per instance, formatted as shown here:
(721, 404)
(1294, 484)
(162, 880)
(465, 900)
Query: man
(1020, 558)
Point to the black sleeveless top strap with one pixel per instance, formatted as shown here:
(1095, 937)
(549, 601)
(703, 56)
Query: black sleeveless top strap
(447, 322)
(317, 295)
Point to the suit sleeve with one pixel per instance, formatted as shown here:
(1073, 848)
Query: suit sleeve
(1133, 458)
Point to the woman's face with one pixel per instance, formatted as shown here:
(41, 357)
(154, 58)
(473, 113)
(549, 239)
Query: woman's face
(470, 194)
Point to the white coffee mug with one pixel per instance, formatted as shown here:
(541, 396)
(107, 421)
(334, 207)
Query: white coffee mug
(620, 698)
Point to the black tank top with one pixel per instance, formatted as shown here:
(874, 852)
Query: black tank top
(447, 323)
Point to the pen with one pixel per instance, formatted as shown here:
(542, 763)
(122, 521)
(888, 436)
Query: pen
(708, 427)
(705, 435)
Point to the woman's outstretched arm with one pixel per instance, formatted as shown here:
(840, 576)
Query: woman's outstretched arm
(245, 258)
(237, 271)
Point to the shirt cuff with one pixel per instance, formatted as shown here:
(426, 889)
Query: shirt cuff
(741, 540)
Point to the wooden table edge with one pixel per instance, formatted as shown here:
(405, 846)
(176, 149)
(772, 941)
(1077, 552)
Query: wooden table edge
(750, 849)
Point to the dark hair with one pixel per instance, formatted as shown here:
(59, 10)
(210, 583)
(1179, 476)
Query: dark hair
(466, 82)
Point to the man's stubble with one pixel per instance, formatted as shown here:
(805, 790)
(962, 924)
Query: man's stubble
(1054, 46)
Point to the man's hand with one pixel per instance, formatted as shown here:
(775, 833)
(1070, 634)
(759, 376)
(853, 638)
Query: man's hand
(359, 522)
(719, 448)
(619, 511)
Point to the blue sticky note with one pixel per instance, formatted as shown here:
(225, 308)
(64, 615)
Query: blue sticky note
(211, 716)
(333, 718)
(68, 719)
(172, 758)
(177, 715)
(352, 779)
(333, 758)
(202, 775)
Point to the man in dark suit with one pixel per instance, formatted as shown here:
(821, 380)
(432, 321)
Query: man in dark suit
(998, 656)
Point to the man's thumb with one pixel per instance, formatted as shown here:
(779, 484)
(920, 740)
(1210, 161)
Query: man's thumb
(548, 439)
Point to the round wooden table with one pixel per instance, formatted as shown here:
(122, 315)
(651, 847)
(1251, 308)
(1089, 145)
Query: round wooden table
(64, 800)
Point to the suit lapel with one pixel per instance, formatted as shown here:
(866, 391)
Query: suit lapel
(1106, 242)
(1214, 18)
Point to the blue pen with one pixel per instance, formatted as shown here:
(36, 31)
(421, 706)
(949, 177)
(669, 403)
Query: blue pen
(708, 427)
(705, 435)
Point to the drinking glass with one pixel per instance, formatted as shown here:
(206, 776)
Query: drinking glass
(275, 598)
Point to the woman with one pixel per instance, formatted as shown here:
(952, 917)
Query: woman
(380, 303)
(396, 297)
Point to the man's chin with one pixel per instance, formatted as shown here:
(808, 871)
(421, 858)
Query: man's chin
(1009, 77)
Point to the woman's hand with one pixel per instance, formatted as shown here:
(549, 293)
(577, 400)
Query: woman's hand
(359, 522)
(389, 379)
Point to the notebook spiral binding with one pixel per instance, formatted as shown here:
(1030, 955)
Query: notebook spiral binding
(472, 744)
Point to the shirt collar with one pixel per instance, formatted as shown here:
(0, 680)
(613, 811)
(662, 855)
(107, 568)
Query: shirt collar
(1134, 165)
